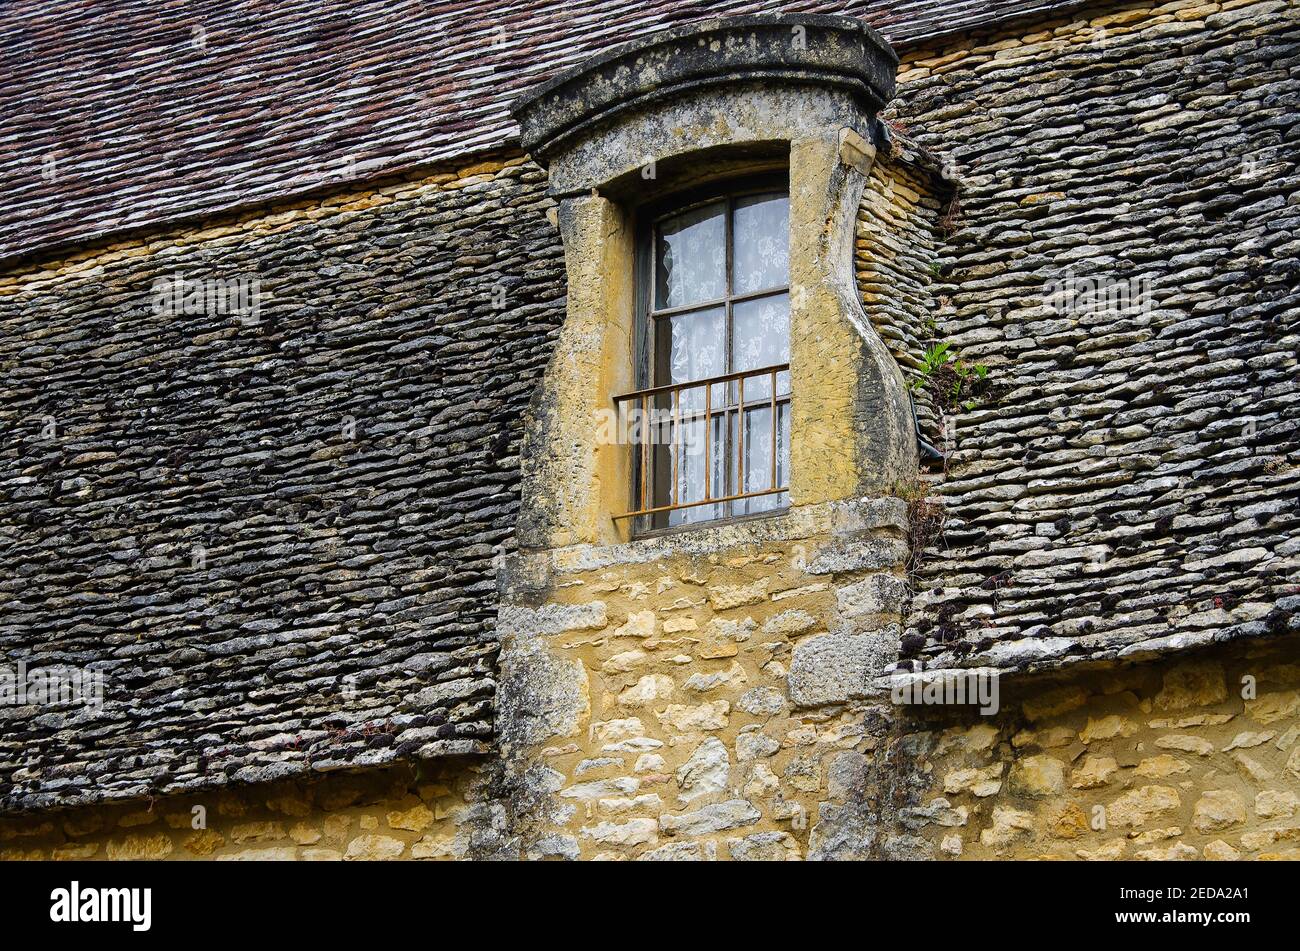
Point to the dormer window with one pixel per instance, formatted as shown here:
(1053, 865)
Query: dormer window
(708, 183)
(713, 361)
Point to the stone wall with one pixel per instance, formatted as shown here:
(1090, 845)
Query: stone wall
(383, 813)
(654, 693)
(1183, 759)
(1177, 759)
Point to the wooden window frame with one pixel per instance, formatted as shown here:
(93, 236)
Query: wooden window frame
(646, 353)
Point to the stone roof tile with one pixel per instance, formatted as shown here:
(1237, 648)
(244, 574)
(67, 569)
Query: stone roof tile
(123, 117)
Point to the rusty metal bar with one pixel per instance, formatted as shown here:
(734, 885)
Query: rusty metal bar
(645, 455)
(687, 505)
(708, 432)
(676, 438)
(775, 431)
(722, 378)
(740, 437)
(649, 436)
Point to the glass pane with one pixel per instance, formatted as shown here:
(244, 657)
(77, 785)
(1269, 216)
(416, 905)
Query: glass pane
(758, 450)
(692, 347)
(761, 229)
(691, 464)
(758, 459)
(762, 339)
(691, 257)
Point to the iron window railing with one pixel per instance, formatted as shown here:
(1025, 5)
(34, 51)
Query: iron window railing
(663, 426)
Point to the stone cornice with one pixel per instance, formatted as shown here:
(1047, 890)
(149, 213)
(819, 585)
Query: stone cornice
(821, 50)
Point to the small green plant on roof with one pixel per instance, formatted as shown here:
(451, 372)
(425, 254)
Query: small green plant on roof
(952, 381)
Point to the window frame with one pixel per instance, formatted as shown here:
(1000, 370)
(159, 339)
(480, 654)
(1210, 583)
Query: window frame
(647, 317)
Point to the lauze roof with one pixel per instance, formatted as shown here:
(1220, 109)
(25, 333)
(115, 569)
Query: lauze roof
(118, 116)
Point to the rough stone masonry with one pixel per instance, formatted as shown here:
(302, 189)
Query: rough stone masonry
(281, 540)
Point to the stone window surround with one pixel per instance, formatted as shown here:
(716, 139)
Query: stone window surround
(701, 104)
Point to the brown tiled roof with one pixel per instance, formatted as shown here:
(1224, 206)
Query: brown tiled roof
(121, 115)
